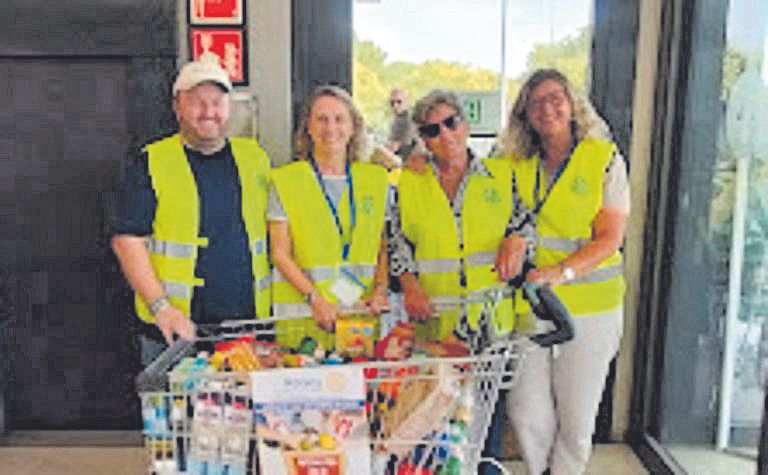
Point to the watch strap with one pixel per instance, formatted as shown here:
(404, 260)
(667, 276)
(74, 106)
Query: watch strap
(158, 305)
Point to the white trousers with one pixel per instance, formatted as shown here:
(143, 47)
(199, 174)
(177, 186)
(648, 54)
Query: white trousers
(554, 403)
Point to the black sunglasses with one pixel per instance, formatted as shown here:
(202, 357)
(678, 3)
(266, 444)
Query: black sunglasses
(395, 101)
(431, 131)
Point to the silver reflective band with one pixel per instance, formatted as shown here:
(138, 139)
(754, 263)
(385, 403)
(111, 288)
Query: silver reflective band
(362, 271)
(438, 265)
(263, 283)
(562, 244)
(175, 289)
(599, 275)
(171, 249)
(291, 310)
(259, 246)
(318, 273)
(481, 258)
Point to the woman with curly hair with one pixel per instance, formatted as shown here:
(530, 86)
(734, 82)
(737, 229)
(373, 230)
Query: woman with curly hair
(569, 174)
(326, 221)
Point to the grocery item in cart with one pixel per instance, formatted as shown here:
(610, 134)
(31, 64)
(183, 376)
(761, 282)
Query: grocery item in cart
(354, 336)
(419, 409)
(311, 420)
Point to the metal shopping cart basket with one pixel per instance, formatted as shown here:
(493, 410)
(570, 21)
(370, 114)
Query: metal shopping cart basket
(419, 416)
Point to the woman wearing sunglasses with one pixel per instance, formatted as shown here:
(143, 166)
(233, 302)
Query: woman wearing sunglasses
(570, 174)
(326, 220)
(447, 225)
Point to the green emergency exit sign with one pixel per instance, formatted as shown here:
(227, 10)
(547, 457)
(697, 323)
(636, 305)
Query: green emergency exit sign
(473, 107)
(483, 111)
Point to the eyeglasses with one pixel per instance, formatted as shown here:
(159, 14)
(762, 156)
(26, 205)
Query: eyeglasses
(394, 102)
(555, 99)
(431, 131)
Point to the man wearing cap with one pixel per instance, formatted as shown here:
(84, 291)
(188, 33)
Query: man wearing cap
(189, 225)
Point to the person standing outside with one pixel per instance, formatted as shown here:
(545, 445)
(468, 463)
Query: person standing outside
(570, 174)
(402, 131)
(189, 228)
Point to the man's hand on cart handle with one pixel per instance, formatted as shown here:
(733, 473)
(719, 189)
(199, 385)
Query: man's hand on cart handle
(171, 321)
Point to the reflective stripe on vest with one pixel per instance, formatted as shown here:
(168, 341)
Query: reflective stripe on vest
(316, 243)
(428, 222)
(177, 290)
(259, 246)
(564, 225)
(562, 244)
(173, 246)
(360, 271)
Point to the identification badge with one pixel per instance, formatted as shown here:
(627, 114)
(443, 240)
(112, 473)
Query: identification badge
(346, 290)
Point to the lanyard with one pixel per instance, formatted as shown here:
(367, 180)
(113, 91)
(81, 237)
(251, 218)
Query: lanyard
(334, 210)
(560, 169)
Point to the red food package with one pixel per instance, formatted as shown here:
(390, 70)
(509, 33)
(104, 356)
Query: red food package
(398, 344)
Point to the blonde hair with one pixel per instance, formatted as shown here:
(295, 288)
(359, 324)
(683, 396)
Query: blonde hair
(519, 139)
(356, 147)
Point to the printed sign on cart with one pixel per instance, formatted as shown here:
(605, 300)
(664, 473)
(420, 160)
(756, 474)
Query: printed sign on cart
(311, 421)
(218, 12)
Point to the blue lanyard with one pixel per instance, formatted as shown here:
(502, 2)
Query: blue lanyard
(560, 169)
(334, 210)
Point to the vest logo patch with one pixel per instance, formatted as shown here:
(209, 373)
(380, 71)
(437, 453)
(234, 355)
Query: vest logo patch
(261, 181)
(366, 205)
(579, 186)
(491, 196)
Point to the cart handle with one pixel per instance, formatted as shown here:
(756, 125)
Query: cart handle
(547, 306)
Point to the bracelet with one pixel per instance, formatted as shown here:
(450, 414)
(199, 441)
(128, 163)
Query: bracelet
(310, 296)
(158, 305)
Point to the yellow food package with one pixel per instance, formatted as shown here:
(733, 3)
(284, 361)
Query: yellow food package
(354, 336)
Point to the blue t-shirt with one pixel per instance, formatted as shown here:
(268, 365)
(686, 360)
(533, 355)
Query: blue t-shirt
(225, 264)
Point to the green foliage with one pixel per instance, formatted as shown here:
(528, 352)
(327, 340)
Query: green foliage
(569, 55)
(374, 77)
(734, 63)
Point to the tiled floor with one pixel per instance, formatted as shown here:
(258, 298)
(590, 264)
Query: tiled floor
(57, 460)
(701, 460)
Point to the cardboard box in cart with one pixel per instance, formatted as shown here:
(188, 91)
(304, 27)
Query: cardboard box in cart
(311, 420)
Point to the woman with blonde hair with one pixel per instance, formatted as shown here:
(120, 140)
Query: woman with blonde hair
(326, 222)
(571, 177)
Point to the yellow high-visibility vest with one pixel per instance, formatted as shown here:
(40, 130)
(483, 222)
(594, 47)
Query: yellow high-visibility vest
(564, 224)
(427, 221)
(175, 240)
(317, 246)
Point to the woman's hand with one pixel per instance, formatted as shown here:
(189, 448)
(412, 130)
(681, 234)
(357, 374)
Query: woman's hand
(417, 162)
(416, 299)
(549, 275)
(325, 313)
(510, 257)
(377, 302)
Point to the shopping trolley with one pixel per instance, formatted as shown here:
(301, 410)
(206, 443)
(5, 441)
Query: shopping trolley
(422, 415)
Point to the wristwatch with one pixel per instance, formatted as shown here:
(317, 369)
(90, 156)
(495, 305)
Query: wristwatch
(158, 305)
(568, 273)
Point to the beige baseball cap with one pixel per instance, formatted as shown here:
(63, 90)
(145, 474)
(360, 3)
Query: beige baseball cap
(198, 72)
